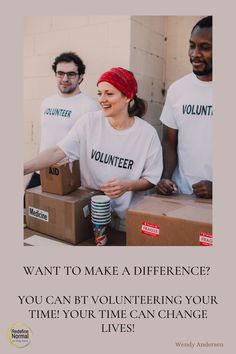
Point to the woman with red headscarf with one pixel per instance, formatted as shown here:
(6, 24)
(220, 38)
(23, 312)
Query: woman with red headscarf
(120, 153)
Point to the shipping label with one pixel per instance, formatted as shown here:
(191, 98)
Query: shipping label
(150, 229)
(38, 214)
(205, 239)
(86, 211)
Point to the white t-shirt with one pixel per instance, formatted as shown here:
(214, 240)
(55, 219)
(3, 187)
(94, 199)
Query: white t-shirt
(106, 153)
(59, 114)
(188, 108)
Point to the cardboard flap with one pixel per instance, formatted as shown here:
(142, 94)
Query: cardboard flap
(191, 213)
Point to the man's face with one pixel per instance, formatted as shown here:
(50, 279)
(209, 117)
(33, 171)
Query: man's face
(68, 78)
(200, 53)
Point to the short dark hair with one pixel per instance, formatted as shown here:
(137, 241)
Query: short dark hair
(205, 22)
(69, 57)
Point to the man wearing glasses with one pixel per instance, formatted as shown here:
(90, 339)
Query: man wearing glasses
(60, 111)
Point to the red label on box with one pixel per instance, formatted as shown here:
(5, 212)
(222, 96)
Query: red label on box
(205, 239)
(150, 229)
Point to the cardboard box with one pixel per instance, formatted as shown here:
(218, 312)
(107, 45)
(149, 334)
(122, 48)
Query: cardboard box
(116, 238)
(61, 178)
(170, 221)
(64, 217)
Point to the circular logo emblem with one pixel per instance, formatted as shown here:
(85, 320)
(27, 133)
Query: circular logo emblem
(19, 335)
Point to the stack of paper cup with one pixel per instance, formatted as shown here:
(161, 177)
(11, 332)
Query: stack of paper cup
(101, 218)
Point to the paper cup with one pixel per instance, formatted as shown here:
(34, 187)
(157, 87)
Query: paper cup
(98, 204)
(101, 217)
(101, 221)
(100, 234)
(97, 217)
(101, 211)
(100, 199)
(100, 207)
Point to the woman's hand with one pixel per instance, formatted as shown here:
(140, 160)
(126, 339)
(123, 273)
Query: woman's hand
(115, 188)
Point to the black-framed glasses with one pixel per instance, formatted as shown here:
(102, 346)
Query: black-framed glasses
(69, 74)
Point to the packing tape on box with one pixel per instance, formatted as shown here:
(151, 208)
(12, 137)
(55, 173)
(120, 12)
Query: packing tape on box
(70, 166)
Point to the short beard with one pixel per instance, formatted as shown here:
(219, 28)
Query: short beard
(202, 73)
(67, 90)
(205, 72)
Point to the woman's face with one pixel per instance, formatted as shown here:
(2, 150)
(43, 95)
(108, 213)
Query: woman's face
(112, 101)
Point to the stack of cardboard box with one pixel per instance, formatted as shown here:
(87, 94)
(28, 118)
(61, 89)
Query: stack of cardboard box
(58, 207)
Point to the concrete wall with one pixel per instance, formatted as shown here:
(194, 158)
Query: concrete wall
(178, 29)
(153, 47)
(147, 62)
(159, 56)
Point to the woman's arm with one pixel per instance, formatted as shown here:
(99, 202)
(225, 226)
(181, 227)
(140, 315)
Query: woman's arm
(116, 188)
(44, 159)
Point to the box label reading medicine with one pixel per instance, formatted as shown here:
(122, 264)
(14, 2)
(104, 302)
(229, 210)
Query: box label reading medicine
(150, 229)
(205, 239)
(38, 214)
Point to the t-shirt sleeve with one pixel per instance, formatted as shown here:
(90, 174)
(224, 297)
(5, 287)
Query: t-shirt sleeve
(167, 114)
(70, 144)
(89, 105)
(93, 107)
(154, 162)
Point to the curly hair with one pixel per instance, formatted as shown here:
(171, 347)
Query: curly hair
(69, 57)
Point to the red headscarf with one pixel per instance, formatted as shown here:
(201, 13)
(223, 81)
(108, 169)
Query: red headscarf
(121, 79)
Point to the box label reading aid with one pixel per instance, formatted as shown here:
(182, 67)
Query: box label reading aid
(38, 214)
(150, 229)
(205, 239)
(53, 171)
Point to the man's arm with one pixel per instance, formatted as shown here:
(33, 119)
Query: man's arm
(170, 158)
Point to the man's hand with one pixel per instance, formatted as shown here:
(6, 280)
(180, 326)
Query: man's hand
(115, 188)
(166, 186)
(203, 189)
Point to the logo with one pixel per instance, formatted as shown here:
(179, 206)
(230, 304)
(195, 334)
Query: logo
(38, 213)
(19, 335)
